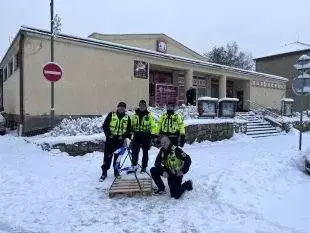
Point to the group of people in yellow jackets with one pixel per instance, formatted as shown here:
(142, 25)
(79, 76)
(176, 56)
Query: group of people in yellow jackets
(171, 162)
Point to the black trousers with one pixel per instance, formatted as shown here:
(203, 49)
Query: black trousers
(139, 142)
(109, 147)
(175, 182)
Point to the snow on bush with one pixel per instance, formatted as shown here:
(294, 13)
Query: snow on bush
(89, 126)
(79, 126)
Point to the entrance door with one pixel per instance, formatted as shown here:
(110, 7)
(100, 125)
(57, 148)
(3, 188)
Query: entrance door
(240, 96)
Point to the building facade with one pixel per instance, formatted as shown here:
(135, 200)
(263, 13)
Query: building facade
(281, 63)
(101, 70)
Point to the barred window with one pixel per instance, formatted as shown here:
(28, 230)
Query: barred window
(16, 61)
(10, 68)
(5, 73)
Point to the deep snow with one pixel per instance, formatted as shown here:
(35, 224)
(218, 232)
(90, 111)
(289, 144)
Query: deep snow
(240, 185)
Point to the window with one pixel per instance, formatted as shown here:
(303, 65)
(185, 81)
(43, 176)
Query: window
(10, 68)
(1, 76)
(5, 74)
(16, 61)
(200, 84)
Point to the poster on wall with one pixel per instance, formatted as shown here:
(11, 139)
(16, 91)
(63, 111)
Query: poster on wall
(228, 109)
(141, 69)
(165, 94)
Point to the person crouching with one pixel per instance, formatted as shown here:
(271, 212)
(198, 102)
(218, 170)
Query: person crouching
(171, 162)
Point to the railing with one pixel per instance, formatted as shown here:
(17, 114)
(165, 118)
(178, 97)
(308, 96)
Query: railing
(263, 112)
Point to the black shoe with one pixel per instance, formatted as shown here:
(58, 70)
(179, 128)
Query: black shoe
(159, 192)
(143, 170)
(188, 185)
(102, 177)
(117, 175)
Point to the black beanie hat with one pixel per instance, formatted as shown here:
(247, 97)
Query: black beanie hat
(121, 104)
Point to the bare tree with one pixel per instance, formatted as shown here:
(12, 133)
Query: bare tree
(230, 56)
(57, 24)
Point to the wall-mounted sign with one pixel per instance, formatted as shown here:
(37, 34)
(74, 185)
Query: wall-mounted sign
(268, 84)
(161, 46)
(141, 69)
(165, 94)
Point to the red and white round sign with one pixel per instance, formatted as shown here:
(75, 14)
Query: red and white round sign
(52, 71)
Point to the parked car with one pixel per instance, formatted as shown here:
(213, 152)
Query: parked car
(2, 124)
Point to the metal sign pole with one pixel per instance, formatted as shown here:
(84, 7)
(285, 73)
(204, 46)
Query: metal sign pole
(52, 60)
(300, 130)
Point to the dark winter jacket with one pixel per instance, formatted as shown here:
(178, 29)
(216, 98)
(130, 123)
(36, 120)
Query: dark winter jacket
(107, 123)
(183, 160)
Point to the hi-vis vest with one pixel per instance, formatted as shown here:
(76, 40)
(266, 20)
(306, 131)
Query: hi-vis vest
(173, 163)
(171, 125)
(147, 124)
(118, 127)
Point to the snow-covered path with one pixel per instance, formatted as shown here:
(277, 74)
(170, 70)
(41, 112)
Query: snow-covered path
(240, 185)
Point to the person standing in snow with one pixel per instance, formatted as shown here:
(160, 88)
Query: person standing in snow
(144, 129)
(191, 96)
(171, 162)
(172, 125)
(117, 129)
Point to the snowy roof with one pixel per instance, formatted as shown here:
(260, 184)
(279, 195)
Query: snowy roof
(228, 99)
(288, 48)
(153, 54)
(208, 98)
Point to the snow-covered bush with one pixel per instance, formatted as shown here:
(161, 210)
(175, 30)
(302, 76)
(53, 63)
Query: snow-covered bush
(79, 126)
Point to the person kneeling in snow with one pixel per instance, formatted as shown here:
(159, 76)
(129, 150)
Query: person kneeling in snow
(171, 162)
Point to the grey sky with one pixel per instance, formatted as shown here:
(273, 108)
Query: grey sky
(259, 27)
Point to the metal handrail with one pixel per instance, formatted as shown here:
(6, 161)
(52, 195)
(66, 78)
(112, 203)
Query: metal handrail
(263, 111)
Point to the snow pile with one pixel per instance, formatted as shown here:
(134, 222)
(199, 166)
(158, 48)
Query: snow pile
(79, 126)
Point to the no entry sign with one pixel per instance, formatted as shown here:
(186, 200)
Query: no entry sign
(52, 72)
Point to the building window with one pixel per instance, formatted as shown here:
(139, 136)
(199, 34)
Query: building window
(1, 76)
(16, 61)
(200, 83)
(5, 74)
(10, 68)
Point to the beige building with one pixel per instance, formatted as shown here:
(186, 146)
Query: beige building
(101, 70)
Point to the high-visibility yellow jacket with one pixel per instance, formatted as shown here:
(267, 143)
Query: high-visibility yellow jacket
(143, 122)
(171, 124)
(117, 125)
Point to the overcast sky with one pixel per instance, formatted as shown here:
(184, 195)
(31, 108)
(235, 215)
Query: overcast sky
(259, 27)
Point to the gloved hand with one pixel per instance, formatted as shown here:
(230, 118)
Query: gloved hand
(179, 173)
(182, 140)
(127, 142)
(165, 174)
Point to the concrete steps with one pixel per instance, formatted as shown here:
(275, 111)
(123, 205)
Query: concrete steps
(257, 127)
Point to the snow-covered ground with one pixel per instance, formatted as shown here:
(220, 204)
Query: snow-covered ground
(240, 185)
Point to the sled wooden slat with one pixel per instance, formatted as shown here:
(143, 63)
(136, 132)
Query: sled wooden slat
(131, 187)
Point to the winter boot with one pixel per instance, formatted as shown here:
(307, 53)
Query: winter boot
(103, 176)
(143, 170)
(159, 192)
(188, 185)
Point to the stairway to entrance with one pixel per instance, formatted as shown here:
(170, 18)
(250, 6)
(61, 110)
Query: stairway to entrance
(258, 127)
